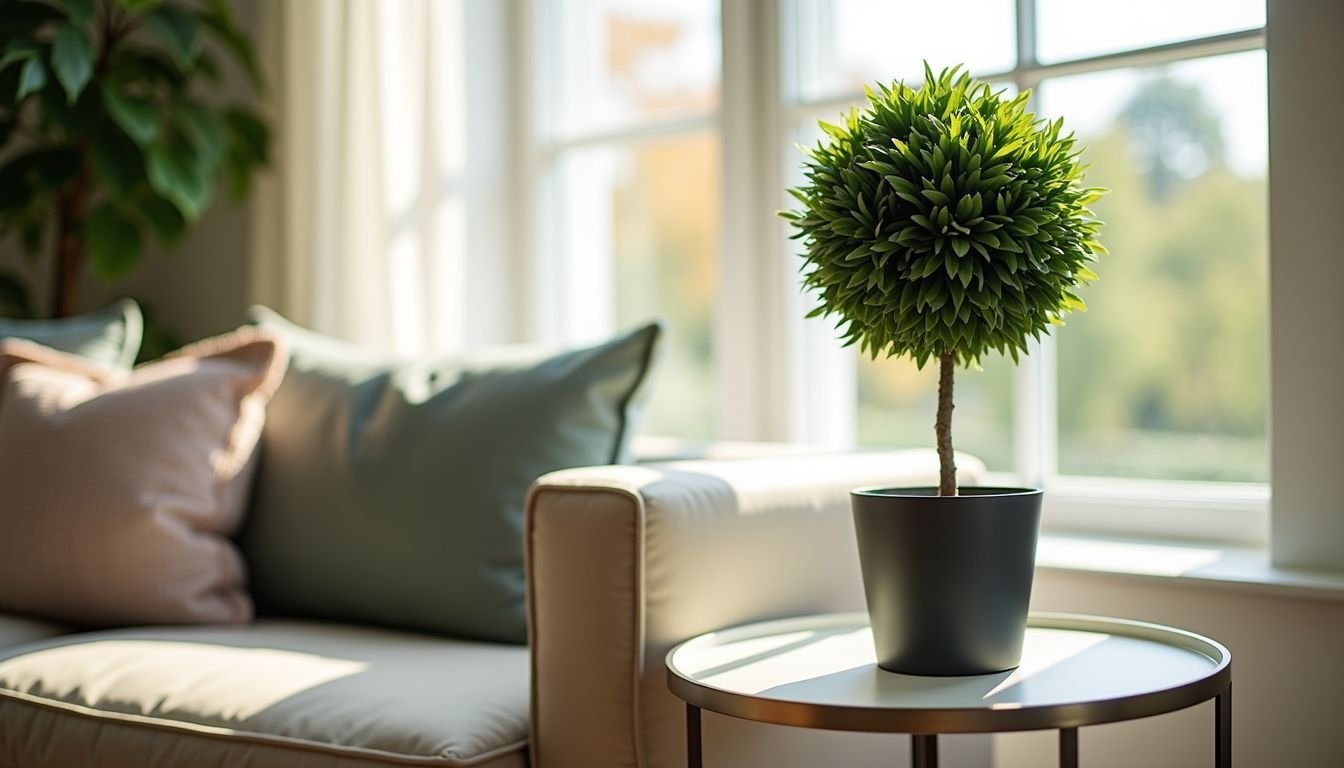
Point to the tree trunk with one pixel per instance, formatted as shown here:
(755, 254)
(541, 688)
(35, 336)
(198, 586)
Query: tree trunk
(69, 249)
(947, 468)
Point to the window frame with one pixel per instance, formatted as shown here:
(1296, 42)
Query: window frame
(782, 378)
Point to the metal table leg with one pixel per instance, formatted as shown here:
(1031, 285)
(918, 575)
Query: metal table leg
(1068, 748)
(1222, 752)
(694, 758)
(924, 750)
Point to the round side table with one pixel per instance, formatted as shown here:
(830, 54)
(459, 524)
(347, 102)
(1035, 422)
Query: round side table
(821, 672)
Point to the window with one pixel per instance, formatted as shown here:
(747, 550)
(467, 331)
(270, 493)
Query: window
(1166, 376)
(1154, 394)
(630, 161)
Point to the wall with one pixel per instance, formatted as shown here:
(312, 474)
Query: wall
(1306, 270)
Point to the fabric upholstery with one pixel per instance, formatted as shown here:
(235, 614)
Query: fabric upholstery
(109, 337)
(282, 694)
(120, 489)
(392, 492)
(16, 630)
(685, 548)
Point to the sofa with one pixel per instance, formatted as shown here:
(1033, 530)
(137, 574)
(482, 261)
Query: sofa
(622, 561)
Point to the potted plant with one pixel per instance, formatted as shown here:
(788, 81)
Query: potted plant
(941, 223)
(107, 130)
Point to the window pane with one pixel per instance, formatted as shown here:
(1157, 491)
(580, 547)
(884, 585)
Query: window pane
(898, 403)
(1069, 29)
(844, 44)
(1166, 376)
(649, 213)
(620, 62)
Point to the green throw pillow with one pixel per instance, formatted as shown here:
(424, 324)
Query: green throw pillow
(110, 336)
(392, 492)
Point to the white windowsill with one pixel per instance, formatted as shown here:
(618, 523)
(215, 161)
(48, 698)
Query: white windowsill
(1235, 514)
(1245, 569)
(1179, 533)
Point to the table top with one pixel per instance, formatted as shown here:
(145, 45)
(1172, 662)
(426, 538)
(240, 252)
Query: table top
(821, 672)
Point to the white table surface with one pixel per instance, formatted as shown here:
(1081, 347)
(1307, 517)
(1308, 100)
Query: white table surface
(828, 662)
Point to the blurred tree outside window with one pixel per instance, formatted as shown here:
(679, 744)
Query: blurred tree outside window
(1167, 375)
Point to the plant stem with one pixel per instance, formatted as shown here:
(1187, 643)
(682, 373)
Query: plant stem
(73, 199)
(69, 248)
(947, 467)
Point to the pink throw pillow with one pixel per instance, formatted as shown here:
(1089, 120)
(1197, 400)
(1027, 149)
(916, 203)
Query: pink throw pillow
(118, 491)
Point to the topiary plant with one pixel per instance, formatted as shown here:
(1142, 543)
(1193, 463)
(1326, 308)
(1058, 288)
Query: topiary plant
(108, 129)
(944, 222)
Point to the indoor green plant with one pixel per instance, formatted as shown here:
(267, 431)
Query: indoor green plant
(107, 131)
(941, 223)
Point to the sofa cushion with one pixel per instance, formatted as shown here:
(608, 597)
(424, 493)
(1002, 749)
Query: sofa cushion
(277, 693)
(392, 492)
(109, 337)
(16, 630)
(120, 489)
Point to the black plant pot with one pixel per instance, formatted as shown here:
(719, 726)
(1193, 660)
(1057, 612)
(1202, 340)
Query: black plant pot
(947, 578)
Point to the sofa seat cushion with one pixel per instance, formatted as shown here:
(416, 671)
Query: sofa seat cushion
(16, 630)
(277, 693)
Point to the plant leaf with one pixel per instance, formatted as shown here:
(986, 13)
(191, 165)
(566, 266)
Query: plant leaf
(177, 30)
(138, 117)
(19, 50)
(218, 20)
(32, 78)
(79, 11)
(162, 217)
(248, 147)
(131, 64)
(250, 136)
(113, 241)
(72, 60)
(117, 159)
(175, 174)
(203, 130)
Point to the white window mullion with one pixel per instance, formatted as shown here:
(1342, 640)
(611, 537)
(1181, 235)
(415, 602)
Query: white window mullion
(1026, 34)
(1034, 418)
(1035, 455)
(537, 305)
(749, 343)
(817, 376)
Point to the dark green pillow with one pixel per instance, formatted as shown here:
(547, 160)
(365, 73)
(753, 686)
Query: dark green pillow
(392, 492)
(110, 336)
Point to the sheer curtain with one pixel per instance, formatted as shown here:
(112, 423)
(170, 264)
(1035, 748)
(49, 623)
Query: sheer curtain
(383, 220)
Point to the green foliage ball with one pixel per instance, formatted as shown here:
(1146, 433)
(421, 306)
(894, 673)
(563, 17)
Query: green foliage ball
(945, 220)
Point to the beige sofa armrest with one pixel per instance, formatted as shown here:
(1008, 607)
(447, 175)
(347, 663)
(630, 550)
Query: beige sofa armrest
(623, 562)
